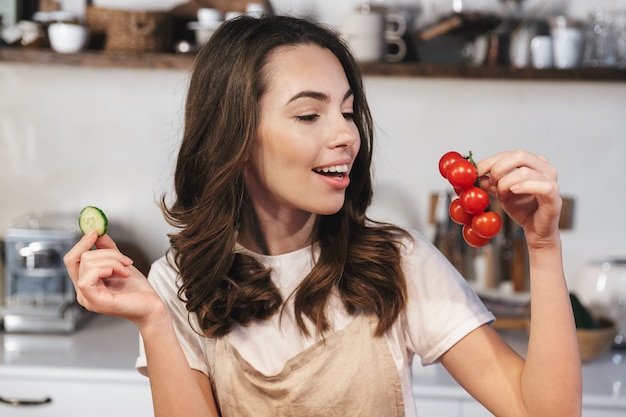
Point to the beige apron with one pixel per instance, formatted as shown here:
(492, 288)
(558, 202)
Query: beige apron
(351, 374)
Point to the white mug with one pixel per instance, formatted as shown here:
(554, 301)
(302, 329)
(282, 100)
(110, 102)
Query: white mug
(395, 26)
(208, 15)
(67, 38)
(541, 52)
(364, 33)
(396, 50)
(567, 44)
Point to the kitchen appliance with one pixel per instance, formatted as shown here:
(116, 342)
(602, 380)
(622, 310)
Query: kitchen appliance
(602, 288)
(38, 294)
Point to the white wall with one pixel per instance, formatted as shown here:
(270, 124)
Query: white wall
(72, 136)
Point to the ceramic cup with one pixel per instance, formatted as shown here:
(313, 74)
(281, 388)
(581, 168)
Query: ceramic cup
(364, 33)
(395, 30)
(67, 38)
(396, 50)
(567, 42)
(395, 25)
(541, 52)
(207, 15)
(567, 46)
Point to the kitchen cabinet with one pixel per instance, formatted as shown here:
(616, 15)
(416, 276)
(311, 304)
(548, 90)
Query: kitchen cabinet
(450, 407)
(456, 405)
(430, 407)
(473, 409)
(74, 394)
(42, 56)
(90, 372)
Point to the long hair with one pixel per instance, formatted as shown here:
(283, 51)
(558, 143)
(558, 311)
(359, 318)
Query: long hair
(359, 259)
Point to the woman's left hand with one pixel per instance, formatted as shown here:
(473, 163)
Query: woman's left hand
(526, 186)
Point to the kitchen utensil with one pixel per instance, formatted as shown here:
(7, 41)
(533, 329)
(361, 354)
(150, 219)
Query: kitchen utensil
(541, 52)
(395, 29)
(207, 15)
(567, 42)
(363, 29)
(600, 49)
(67, 38)
(602, 287)
(38, 294)
(594, 342)
(203, 30)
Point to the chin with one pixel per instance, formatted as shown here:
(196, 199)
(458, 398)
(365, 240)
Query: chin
(329, 211)
(328, 205)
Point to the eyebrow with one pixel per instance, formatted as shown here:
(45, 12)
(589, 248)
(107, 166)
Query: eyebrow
(318, 96)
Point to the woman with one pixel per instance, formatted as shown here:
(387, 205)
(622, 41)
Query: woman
(279, 296)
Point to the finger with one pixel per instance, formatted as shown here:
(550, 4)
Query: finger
(498, 166)
(72, 258)
(105, 242)
(484, 166)
(112, 261)
(501, 164)
(535, 187)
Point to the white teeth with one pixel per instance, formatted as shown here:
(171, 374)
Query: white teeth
(334, 168)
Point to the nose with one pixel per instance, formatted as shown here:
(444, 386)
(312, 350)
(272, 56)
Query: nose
(345, 132)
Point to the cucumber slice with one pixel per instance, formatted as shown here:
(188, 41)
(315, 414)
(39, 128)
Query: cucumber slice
(92, 218)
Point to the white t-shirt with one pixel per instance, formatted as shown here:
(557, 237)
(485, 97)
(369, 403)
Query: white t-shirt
(441, 309)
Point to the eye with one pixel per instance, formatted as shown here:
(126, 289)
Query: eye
(348, 115)
(308, 117)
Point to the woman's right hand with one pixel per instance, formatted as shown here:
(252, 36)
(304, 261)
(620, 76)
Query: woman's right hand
(106, 282)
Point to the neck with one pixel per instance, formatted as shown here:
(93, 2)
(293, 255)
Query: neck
(275, 234)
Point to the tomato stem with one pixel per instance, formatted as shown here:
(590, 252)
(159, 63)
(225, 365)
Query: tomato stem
(470, 158)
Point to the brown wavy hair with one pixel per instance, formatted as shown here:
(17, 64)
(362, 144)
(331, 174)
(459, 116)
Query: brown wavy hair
(359, 259)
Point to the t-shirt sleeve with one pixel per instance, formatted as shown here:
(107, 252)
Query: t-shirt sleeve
(442, 308)
(164, 279)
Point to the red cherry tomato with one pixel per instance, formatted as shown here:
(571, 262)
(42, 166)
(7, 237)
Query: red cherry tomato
(448, 159)
(462, 174)
(487, 224)
(474, 200)
(458, 214)
(472, 238)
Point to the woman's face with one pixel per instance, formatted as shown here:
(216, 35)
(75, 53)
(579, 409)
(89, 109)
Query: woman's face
(306, 140)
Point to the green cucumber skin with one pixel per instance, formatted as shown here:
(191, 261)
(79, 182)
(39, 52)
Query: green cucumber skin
(92, 218)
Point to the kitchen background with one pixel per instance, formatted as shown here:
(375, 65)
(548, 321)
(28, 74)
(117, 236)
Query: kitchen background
(75, 136)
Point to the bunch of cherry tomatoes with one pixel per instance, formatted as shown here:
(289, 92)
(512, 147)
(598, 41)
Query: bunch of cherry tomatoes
(471, 208)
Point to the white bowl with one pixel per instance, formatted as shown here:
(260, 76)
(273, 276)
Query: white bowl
(206, 15)
(67, 38)
(203, 31)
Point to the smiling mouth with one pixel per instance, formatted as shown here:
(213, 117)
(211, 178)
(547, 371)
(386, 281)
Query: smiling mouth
(332, 171)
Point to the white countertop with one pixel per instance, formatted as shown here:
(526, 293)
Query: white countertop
(106, 347)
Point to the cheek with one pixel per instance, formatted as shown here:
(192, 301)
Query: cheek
(357, 144)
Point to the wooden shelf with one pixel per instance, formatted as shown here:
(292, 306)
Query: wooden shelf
(97, 59)
(494, 72)
(171, 61)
